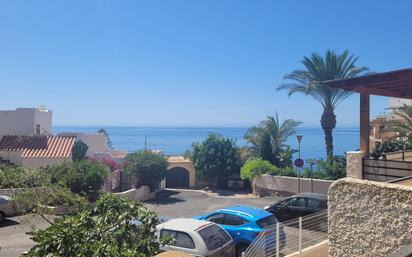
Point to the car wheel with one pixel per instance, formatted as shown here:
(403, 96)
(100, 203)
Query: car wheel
(2, 216)
(241, 249)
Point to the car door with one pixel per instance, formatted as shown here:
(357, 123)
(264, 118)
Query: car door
(232, 224)
(179, 241)
(314, 205)
(296, 207)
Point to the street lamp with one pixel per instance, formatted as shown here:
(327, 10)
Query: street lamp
(311, 163)
(299, 137)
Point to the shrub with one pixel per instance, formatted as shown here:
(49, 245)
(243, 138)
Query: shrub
(288, 171)
(256, 167)
(215, 157)
(17, 176)
(330, 169)
(150, 168)
(109, 230)
(84, 177)
(79, 151)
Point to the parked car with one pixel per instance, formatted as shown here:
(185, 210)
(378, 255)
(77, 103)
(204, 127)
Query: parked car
(299, 205)
(196, 237)
(244, 224)
(7, 208)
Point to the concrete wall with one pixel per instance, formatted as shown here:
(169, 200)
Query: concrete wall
(12, 156)
(280, 185)
(23, 121)
(95, 142)
(140, 194)
(36, 162)
(317, 250)
(368, 219)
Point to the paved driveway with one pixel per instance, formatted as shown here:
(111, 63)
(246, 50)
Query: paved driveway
(169, 203)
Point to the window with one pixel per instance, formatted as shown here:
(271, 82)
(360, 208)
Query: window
(179, 239)
(297, 202)
(214, 237)
(267, 222)
(233, 220)
(38, 129)
(216, 218)
(314, 203)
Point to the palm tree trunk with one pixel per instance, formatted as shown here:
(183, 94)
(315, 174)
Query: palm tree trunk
(328, 123)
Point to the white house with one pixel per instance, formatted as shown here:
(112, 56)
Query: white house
(26, 121)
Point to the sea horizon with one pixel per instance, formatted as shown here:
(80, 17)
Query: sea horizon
(176, 140)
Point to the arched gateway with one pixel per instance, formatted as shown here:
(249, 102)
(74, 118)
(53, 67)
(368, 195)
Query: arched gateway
(180, 173)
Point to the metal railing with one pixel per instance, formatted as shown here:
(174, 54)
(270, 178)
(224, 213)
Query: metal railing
(299, 234)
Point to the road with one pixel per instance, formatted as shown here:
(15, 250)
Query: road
(169, 203)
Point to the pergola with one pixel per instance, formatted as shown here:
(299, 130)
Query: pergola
(393, 84)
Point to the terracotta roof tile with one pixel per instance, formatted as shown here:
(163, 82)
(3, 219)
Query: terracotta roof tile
(39, 146)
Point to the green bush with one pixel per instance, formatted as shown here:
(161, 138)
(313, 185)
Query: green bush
(288, 171)
(150, 168)
(216, 157)
(84, 177)
(256, 167)
(21, 177)
(109, 230)
(79, 151)
(330, 169)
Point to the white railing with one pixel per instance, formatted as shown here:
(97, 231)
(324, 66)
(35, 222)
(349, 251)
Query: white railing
(300, 233)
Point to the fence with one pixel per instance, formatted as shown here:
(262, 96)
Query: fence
(385, 170)
(290, 237)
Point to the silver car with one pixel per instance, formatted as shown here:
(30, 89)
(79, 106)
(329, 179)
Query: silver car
(7, 207)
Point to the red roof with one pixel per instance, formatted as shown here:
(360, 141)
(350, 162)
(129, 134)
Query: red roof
(38, 146)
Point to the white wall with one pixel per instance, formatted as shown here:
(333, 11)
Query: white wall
(22, 121)
(267, 184)
(12, 156)
(96, 142)
(37, 162)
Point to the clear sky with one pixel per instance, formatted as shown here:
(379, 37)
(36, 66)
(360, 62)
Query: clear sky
(187, 63)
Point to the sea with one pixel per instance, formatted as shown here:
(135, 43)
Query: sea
(176, 140)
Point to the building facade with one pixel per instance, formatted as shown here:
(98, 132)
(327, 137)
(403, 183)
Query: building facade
(26, 121)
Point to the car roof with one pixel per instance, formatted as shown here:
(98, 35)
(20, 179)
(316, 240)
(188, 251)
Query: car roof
(312, 195)
(5, 197)
(246, 211)
(184, 224)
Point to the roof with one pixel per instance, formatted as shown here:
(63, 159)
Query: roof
(38, 146)
(185, 224)
(396, 83)
(312, 195)
(246, 211)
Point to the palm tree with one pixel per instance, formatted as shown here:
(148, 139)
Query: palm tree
(309, 82)
(269, 137)
(404, 126)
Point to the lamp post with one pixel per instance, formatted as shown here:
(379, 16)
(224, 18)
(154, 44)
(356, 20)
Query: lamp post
(311, 163)
(299, 137)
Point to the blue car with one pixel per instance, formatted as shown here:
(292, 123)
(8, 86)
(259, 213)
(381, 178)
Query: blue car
(244, 223)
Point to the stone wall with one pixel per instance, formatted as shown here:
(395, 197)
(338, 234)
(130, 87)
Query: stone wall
(279, 185)
(140, 194)
(368, 219)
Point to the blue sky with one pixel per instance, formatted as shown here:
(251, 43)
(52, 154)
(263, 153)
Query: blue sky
(187, 63)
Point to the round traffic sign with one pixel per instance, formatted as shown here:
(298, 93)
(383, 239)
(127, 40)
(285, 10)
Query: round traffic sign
(299, 163)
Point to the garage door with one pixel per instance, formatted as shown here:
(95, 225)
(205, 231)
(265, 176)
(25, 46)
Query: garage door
(177, 178)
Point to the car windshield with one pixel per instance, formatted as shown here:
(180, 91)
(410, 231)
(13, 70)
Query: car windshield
(214, 237)
(267, 221)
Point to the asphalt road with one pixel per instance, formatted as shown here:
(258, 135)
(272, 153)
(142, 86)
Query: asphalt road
(169, 203)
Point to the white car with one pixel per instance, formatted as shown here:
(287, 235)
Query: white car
(196, 237)
(7, 208)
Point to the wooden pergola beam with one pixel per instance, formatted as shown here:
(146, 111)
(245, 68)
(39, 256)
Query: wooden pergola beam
(364, 118)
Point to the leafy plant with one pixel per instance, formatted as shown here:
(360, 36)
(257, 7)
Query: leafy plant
(79, 151)
(329, 169)
(390, 147)
(116, 227)
(309, 82)
(104, 132)
(256, 167)
(84, 177)
(268, 140)
(150, 168)
(215, 157)
(22, 177)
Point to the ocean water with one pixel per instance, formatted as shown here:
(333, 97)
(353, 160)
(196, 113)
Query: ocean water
(178, 140)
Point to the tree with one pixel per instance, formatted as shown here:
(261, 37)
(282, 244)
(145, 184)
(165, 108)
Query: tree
(149, 167)
(215, 157)
(79, 150)
(256, 167)
(269, 140)
(104, 132)
(309, 82)
(84, 177)
(116, 227)
(404, 126)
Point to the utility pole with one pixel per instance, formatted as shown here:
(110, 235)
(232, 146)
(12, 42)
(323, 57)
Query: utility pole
(299, 137)
(145, 143)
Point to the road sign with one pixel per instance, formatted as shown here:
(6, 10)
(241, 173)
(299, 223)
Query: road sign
(299, 162)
